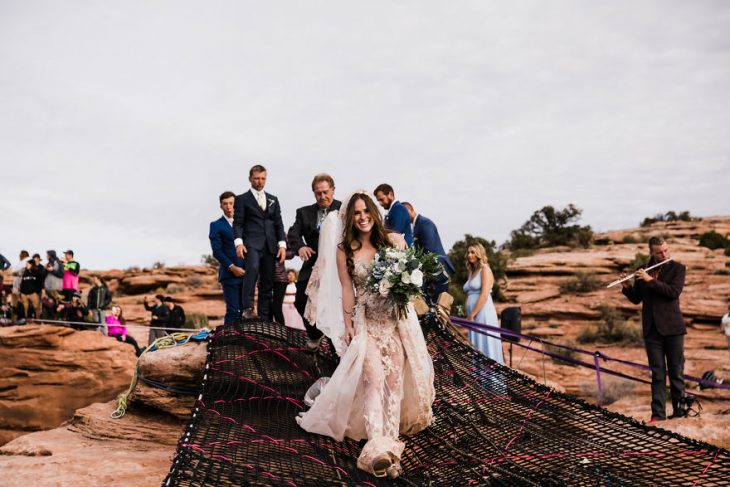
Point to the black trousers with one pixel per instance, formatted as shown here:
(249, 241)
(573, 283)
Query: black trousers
(278, 301)
(300, 303)
(666, 355)
(259, 267)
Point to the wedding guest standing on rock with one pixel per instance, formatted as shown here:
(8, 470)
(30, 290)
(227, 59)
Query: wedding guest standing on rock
(17, 270)
(663, 325)
(176, 320)
(53, 283)
(31, 284)
(303, 238)
(397, 218)
(98, 300)
(71, 270)
(479, 305)
(159, 318)
(426, 237)
(232, 267)
(260, 239)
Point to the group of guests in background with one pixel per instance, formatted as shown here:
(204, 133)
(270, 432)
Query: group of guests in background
(50, 292)
(251, 245)
(41, 290)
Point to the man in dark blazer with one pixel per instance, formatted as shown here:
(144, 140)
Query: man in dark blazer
(397, 218)
(663, 325)
(259, 237)
(426, 237)
(231, 269)
(303, 239)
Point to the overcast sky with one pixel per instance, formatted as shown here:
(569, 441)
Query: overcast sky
(121, 122)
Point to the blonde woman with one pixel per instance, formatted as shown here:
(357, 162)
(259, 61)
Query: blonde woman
(479, 304)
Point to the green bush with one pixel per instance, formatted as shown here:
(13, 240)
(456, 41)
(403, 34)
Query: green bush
(194, 281)
(565, 352)
(639, 260)
(158, 265)
(550, 227)
(612, 389)
(195, 320)
(581, 282)
(210, 261)
(713, 240)
(727, 251)
(669, 216)
(174, 288)
(612, 329)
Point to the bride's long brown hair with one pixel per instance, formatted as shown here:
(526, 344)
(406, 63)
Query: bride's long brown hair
(378, 235)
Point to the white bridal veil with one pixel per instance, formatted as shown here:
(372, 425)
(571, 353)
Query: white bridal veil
(324, 306)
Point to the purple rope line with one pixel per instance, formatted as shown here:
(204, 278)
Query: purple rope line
(500, 332)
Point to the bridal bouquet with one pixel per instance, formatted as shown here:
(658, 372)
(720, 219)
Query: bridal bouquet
(399, 275)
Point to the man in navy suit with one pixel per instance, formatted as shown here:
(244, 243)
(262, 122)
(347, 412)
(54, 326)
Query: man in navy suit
(397, 218)
(426, 237)
(259, 237)
(231, 269)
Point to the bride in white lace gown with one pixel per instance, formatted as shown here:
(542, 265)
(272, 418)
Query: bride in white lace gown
(383, 386)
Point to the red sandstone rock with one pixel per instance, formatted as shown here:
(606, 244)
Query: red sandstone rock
(49, 371)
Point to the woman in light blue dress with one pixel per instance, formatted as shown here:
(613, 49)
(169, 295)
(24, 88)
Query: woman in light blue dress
(479, 305)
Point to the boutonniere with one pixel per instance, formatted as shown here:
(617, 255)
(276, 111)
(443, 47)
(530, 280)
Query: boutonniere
(270, 201)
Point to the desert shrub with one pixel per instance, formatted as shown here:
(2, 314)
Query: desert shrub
(581, 282)
(195, 320)
(194, 281)
(629, 238)
(562, 351)
(727, 251)
(133, 268)
(669, 216)
(158, 265)
(639, 260)
(497, 262)
(613, 389)
(210, 261)
(713, 240)
(611, 328)
(550, 227)
(174, 288)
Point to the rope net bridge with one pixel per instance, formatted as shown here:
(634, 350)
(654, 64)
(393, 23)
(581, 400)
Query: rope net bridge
(493, 426)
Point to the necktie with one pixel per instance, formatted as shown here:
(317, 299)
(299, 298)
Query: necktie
(322, 216)
(261, 200)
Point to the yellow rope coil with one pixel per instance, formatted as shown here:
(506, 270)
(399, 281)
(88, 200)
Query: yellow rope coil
(168, 341)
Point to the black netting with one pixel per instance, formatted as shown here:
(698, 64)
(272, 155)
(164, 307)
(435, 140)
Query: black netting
(492, 426)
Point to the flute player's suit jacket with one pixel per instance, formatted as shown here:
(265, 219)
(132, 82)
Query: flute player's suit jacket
(661, 299)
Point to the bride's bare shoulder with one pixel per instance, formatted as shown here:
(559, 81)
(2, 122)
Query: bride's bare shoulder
(397, 240)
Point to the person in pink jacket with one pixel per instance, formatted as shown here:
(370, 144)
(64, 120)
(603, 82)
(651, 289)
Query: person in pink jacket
(115, 325)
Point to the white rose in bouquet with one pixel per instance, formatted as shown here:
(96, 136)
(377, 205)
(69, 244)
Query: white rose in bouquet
(384, 287)
(405, 278)
(417, 277)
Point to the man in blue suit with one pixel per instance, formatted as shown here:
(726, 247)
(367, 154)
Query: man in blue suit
(426, 237)
(397, 218)
(259, 237)
(231, 269)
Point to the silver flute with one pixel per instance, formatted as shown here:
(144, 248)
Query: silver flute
(630, 276)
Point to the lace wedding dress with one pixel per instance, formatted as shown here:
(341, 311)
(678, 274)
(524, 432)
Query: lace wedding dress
(383, 386)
